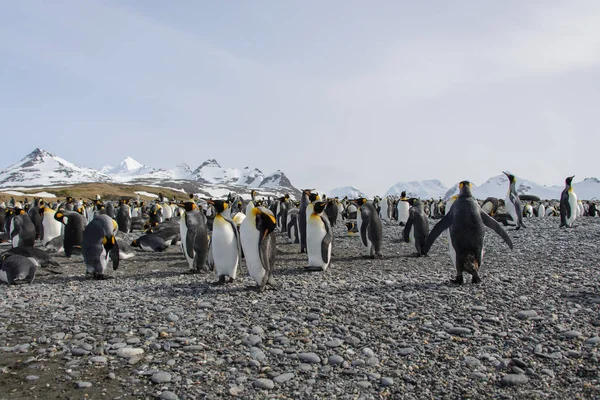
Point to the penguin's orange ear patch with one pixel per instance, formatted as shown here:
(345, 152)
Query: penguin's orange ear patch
(113, 240)
(59, 215)
(104, 240)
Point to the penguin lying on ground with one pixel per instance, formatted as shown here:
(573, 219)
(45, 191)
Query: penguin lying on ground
(150, 242)
(43, 259)
(16, 269)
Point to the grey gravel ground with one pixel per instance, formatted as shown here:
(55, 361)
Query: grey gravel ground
(385, 328)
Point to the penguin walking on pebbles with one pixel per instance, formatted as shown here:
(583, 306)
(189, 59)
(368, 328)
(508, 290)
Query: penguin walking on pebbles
(402, 209)
(99, 246)
(16, 269)
(257, 234)
(417, 226)
(319, 238)
(225, 248)
(568, 204)
(467, 222)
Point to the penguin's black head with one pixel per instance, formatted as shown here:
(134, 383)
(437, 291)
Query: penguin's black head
(360, 201)
(511, 177)
(265, 220)
(465, 187)
(135, 243)
(349, 225)
(108, 242)
(313, 197)
(403, 194)
(569, 180)
(287, 196)
(319, 206)
(220, 205)
(188, 206)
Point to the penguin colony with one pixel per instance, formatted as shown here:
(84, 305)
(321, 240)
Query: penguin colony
(219, 234)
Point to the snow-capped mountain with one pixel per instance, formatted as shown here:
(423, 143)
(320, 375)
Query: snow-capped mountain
(211, 172)
(351, 192)
(127, 167)
(588, 189)
(41, 168)
(428, 189)
(275, 181)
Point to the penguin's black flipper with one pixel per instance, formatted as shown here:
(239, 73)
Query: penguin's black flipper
(407, 227)
(190, 237)
(114, 255)
(326, 240)
(495, 226)
(364, 225)
(437, 230)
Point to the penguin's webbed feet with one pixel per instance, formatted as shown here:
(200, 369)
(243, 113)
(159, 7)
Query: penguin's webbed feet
(459, 280)
(476, 280)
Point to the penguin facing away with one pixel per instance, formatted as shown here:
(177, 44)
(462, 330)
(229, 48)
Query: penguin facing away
(194, 236)
(257, 234)
(73, 230)
(369, 226)
(417, 226)
(319, 238)
(568, 204)
(225, 246)
(467, 223)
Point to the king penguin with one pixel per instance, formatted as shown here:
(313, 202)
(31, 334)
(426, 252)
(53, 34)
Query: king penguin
(513, 203)
(568, 204)
(403, 207)
(292, 225)
(304, 202)
(124, 216)
(258, 242)
(51, 228)
(22, 230)
(319, 238)
(225, 248)
(73, 230)
(15, 268)
(417, 226)
(369, 226)
(466, 221)
(193, 230)
(99, 244)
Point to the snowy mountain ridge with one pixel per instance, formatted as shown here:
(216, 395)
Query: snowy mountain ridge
(41, 168)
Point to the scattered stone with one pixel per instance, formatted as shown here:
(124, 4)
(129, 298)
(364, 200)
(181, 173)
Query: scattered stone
(309, 358)
(514, 380)
(161, 377)
(263, 383)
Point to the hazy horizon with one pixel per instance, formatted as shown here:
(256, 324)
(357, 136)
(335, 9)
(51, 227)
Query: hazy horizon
(333, 94)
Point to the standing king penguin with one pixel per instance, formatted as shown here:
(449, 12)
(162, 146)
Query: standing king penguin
(258, 242)
(513, 203)
(369, 226)
(319, 238)
(417, 226)
(225, 248)
(466, 221)
(568, 204)
(193, 230)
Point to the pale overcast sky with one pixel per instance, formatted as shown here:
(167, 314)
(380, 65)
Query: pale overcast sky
(331, 92)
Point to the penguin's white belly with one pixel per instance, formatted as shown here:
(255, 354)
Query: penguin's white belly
(103, 261)
(3, 276)
(510, 208)
(384, 211)
(224, 248)
(52, 228)
(146, 248)
(340, 211)
(125, 256)
(549, 211)
(183, 233)
(580, 210)
(315, 232)
(403, 208)
(167, 211)
(487, 208)
(451, 250)
(573, 205)
(411, 234)
(249, 237)
(541, 211)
